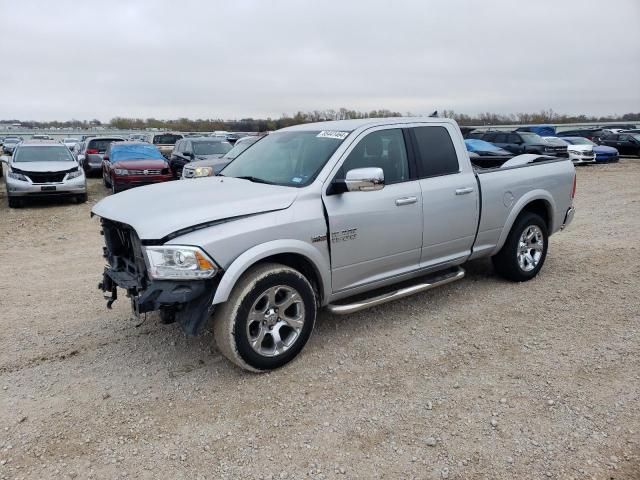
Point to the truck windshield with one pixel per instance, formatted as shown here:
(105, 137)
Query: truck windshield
(43, 154)
(287, 158)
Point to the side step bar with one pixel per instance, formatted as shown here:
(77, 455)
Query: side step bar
(431, 282)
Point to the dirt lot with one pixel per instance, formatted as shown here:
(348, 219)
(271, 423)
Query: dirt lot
(479, 379)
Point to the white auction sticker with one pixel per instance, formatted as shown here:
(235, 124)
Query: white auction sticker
(333, 134)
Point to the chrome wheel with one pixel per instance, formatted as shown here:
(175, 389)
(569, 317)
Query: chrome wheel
(530, 248)
(275, 320)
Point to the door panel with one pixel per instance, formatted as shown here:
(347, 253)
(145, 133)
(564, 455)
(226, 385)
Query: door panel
(450, 203)
(450, 217)
(375, 234)
(373, 237)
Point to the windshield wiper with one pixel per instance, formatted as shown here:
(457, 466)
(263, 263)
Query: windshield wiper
(256, 180)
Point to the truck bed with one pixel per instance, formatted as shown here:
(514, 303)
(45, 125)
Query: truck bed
(504, 189)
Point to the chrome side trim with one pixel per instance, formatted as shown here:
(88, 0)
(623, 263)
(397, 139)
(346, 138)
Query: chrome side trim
(568, 218)
(436, 281)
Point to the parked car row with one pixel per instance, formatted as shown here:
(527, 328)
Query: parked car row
(586, 145)
(144, 159)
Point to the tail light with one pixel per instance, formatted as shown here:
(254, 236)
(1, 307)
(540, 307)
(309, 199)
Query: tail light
(92, 151)
(573, 190)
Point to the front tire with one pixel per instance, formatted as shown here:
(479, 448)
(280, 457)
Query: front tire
(525, 250)
(14, 202)
(267, 319)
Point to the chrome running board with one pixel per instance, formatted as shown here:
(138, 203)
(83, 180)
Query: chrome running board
(428, 283)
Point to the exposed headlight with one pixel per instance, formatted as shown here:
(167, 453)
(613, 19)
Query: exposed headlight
(203, 172)
(75, 174)
(177, 262)
(17, 176)
(121, 171)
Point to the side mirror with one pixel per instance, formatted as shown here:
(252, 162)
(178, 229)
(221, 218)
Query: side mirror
(364, 179)
(80, 157)
(4, 159)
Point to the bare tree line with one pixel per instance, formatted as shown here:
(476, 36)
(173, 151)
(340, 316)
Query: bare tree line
(285, 120)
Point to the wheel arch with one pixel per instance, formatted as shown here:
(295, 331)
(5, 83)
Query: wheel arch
(294, 253)
(539, 202)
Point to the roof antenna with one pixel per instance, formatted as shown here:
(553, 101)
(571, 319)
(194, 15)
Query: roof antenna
(434, 114)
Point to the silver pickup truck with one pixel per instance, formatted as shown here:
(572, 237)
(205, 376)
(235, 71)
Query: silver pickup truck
(339, 215)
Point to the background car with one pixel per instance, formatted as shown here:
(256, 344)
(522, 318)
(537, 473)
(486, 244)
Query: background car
(522, 142)
(200, 148)
(43, 168)
(625, 143)
(10, 144)
(593, 134)
(92, 151)
(70, 143)
(602, 153)
(165, 142)
(132, 164)
(208, 168)
(483, 148)
(578, 154)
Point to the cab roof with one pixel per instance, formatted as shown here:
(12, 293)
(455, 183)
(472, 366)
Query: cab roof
(351, 125)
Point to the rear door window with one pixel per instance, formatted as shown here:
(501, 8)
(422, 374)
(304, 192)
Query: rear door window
(436, 154)
(500, 138)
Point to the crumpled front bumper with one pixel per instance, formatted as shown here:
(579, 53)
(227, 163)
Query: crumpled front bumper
(191, 300)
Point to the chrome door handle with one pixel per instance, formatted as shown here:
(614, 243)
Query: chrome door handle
(406, 201)
(464, 191)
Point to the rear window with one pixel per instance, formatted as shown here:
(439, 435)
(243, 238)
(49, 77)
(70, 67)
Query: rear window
(53, 153)
(101, 144)
(436, 153)
(166, 139)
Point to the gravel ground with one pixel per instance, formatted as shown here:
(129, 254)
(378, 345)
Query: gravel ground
(479, 379)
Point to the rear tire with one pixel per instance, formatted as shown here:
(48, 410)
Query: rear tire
(525, 250)
(267, 319)
(82, 198)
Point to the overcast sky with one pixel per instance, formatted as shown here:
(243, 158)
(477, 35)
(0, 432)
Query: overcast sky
(258, 58)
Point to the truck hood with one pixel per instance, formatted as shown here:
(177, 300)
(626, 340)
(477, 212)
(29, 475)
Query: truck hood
(44, 166)
(155, 211)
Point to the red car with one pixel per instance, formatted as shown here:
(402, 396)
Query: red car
(132, 164)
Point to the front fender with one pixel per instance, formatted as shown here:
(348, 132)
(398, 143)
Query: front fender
(519, 206)
(268, 249)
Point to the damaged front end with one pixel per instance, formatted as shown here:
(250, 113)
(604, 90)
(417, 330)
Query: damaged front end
(178, 281)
